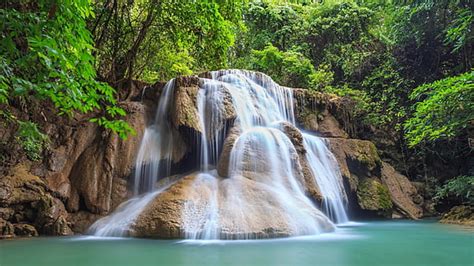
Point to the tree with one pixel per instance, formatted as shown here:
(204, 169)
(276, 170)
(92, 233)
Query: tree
(133, 38)
(46, 53)
(443, 109)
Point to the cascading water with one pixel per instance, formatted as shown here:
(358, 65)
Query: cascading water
(328, 177)
(153, 161)
(264, 187)
(156, 149)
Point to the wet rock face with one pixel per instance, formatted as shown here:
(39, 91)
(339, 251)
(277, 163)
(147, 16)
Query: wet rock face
(99, 175)
(320, 113)
(224, 159)
(184, 113)
(356, 158)
(301, 168)
(372, 195)
(403, 193)
(85, 169)
(375, 188)
(258, 215)
(27, 207)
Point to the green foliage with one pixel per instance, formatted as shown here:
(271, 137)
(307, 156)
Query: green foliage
(31, 140)
(154, 39)
(460, 31)
(388, 93)
(433, 38)
(443, 109)
(267, 22)
(46, 52)
(322, 78)
(332, 26)
(289, 68)
(461, 188)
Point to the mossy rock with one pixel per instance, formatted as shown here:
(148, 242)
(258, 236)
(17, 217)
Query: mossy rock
(367, 155)
(463, 215)
(373, 195)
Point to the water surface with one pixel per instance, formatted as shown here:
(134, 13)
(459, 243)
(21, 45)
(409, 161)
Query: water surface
(371, 243)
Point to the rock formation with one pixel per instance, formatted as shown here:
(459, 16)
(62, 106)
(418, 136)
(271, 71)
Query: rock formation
(86, 172)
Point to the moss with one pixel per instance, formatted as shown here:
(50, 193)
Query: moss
(372, 195)
(367, 155)
(384, 198)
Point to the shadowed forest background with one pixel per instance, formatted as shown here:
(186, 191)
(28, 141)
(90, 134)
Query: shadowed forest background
(405, 68)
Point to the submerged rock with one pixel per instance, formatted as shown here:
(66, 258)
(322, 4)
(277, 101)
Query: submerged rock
(6, 229)
(25, 230)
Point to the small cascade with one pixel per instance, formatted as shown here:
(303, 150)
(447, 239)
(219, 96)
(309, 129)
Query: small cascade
(156, 149)
(267, 153)
(118, 223)
(153, 161)
(204, 155)
(328, 177)
(262, 192)
(201, 216)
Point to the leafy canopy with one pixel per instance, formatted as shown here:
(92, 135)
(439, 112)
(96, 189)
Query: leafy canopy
(443, 109)
(46, 52)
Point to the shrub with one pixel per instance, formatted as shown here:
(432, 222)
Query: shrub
(461, 188)
(31, 139)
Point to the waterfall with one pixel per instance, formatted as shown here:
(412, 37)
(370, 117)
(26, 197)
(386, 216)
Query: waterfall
(265, 186)
(328, 177)
(156, 148)
(153, 161)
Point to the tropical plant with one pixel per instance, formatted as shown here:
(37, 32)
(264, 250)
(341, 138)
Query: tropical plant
(46, 53)
(443, 109)
(460, 188)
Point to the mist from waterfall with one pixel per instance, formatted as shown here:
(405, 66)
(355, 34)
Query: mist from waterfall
(262, 150)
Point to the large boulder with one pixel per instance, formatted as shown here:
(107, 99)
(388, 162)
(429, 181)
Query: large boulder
(28, 206)
(219, 111)
(373, 186)
(184, 208)
(99, 176)
(402, 192)
(162, 217)
(184, 113)
(356, 158)
(373, 196)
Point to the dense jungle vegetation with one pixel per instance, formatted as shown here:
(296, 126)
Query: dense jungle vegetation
(407, 65)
